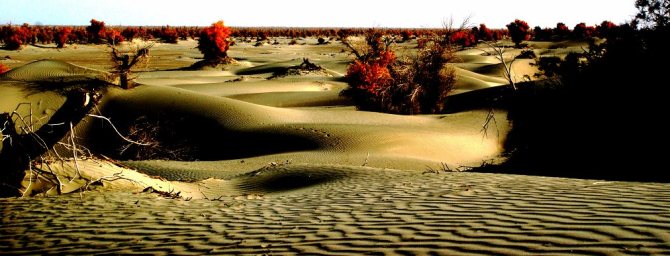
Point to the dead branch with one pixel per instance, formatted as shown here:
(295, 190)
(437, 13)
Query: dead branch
(490, 116)
(117, 131)
(498, 51)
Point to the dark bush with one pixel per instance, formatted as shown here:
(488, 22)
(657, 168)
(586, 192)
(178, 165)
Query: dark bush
(519, 31)
(96, 31)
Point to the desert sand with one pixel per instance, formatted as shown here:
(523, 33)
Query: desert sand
(293, 167)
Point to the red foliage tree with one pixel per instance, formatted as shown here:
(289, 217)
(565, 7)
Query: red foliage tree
(561, 31)
(581, 31)
(62, 36)
(113, 36)
(14, 37)
(519, 31)
(130, 33)
(213, 41)
(373, 75)
(463, 38)
(44, 35)
(169, 35)
(484, 33)
(604, 28)
(540, 34)
(96, 31)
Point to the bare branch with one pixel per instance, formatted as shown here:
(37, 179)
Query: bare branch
(117, 131)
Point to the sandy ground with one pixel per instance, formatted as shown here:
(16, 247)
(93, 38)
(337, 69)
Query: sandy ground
(357, 210)
(292, 167)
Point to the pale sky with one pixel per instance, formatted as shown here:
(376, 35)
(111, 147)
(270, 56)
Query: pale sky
(314, 13)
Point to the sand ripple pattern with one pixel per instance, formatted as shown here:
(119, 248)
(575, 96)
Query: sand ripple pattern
(55, 71)
(368, 211)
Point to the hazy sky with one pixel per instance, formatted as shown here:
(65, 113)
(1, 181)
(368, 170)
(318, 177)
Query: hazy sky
(314, 13)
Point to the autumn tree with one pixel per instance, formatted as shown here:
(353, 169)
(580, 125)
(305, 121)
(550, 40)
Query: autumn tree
(130, 33)
(213, 42)
(582, 31)
(62, 36)
(113, 37)
(96, 31)
(484, 33)
(519, 31)
(561, 31)
(169, 35)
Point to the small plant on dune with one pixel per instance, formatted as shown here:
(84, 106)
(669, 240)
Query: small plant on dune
(519, 31)
(213, 43)
(3, 68)
(379, 81)
(62, 36)
(124, 62)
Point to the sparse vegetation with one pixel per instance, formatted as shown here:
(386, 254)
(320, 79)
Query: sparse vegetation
(62, 36)
(519, 31)
(379, 81)
(124, 62)
(3, 68)
(213, 42)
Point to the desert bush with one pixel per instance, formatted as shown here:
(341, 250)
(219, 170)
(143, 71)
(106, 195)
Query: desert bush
(130, 33)
(581, 31)
(590, 109)
(3, 68)
(406, 35)
(213, 42)
(113, 37)
(62, 36)
(542, 34)
(14, 38)
(604, 28)
(379, 81)
(44, 35)
(321, 40)
(484, 33)
(169, 35)
(96, 31)
(561, 31)
(464, 38)
(527, 54)
(519, 31)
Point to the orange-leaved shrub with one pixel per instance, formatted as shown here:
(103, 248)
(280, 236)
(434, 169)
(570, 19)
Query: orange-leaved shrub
(113, 37)
(213, 42)
(62, 36)
(380, 81)
(3, 68)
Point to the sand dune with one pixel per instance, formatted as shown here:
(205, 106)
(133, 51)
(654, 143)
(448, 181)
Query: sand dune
(354, 210)
(287, 166)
